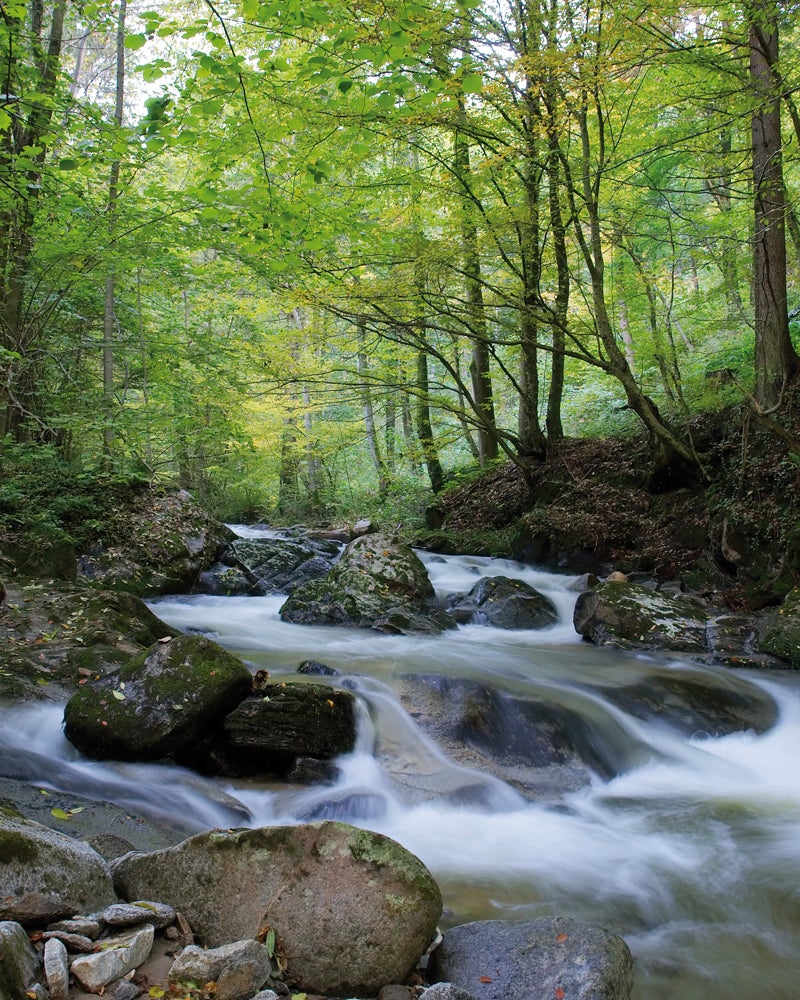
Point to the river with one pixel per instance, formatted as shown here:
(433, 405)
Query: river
(691, 851)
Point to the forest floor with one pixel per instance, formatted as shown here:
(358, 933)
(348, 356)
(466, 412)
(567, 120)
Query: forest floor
(586, 508)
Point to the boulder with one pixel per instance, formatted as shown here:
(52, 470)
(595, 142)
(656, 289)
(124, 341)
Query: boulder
(548, 957)
(55, 636)
(157, 544)
(46, 875)
(376, 575)
(269, 731)
(779, 630)
(631, 616)
(19, 963)
(351, 910)
(160, 705)
(504, 603)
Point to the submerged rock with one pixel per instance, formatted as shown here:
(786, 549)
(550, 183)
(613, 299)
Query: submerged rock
(160, 705)
(351, 910)
(544, 958)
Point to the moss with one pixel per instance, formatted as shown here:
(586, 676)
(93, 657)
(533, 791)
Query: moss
(16, 847)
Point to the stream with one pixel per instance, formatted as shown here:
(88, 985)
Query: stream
(691, 852)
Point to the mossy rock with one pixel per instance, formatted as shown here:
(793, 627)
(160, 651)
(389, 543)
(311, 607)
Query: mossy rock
(631, 616)
(779, 630)
(376, 574)
(160, 705)
(45, 875)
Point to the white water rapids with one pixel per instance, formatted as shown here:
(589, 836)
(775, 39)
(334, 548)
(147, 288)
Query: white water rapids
(692, 853)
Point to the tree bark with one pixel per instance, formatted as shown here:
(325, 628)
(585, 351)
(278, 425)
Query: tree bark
(775, 358)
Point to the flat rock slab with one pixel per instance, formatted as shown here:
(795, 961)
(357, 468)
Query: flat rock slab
(120, 954)
(351, 910)
(545, 958)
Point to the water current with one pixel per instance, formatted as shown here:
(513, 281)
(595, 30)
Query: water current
(690, 850)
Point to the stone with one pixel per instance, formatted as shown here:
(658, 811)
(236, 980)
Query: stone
(548, 957)
(266, 995)
(19, 963)
(504, 603)
(351, 910)
(175, 540)
(124, 989)
(269, 731)
(56, 969)
(160, 705)
(779, 630)
(142, 911)
(74, 942)
(631, 616)
(84, 926)
(239, 969)
(46, 875)
(446, 991)
(394, 991)
(375, 575)
(315, 667)
(119, 955)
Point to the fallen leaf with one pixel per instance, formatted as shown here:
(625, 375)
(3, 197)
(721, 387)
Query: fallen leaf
(561, 938)
(486, 979)
(560, 994)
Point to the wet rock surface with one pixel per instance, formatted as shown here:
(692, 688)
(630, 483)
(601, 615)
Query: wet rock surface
(504, 603)
(269, 565)
(548, 957)
(159, 705)
(377, 576)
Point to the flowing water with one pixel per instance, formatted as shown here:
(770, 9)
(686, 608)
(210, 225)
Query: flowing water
(691, 852)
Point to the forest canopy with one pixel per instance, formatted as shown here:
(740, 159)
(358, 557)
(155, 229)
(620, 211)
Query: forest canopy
(295, 254)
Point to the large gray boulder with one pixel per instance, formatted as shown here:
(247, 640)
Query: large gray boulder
(504, 603)
(160, 705)
(46, 875)
(545, 958)
(631, 616)
(376, 576)
(351, 910)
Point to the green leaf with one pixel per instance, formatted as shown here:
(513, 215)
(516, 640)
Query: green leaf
(135, 41)
(119, 695)
(67, 163)
(59, 814)
(472, 83)
(344, 84)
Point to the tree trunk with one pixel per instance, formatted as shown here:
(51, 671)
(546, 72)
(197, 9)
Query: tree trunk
(369, 415)
(424, 427)
(109, 318)
(480, 376)
(775, 358)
